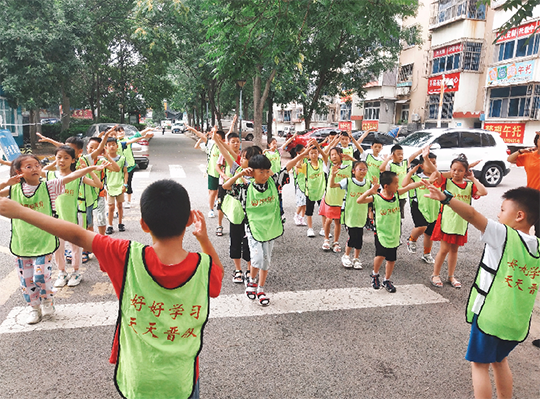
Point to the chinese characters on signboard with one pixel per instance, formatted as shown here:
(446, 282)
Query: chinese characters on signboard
(451, 83)
(441, 52)
(8, 145)
(370, 125)
(520, 31)
(82, 114)
(345, 125)
(511, 133)
(515, 72)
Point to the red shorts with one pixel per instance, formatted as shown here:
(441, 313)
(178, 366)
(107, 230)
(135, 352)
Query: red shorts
(331, 212)
(438, 235)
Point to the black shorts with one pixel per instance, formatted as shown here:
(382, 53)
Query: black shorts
(430, 227)
(220, 196)
(417, 217)
(213, 183)
(390, 254)
(402, 202)
(310, 206)
(356, 237)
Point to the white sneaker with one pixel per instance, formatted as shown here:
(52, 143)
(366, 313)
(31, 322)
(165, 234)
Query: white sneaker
(411, 246)
(357, 264)
(127, 205)
(321, 233)
(297, 220)
(346, 261)
(47, 307)
(35, 315)
(427, 258)
(75, 279)
(303, 221)
(211, 214)
(61, 280)
(310, 233)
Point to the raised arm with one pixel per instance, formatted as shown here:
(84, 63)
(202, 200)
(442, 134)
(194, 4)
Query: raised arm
(229, 183)
(289, 165)
(356, 143)
(81, 172)
(407, 179)
(464, 210)
(201, 135)
(45, 139)
(94, 181)
(224, 149)
(383, 166)
(481, 189)
(286, 143)
(332, 179)
(147, 134)
(367, 197)
(414, 155)
(4, 187)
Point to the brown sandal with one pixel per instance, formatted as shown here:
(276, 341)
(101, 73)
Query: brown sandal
(436, 281)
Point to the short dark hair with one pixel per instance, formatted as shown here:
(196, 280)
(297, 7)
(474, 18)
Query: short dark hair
(430, 156)
(76, 141)
(376, 141)
(396, 147)
(70, 151)
(344, 133)
(387, 177)
(96, 139)
(462, 159)
(251, 151)
(232, 135)
(299, 148)
(259, 162)
(165, 208)
(535, 140)
(527, 199)
(112, 140)
(221, 134)
(333, 133)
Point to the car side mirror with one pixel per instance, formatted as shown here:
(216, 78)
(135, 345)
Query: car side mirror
(435, 146)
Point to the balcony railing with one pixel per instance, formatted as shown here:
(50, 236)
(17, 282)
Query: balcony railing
(448, 11)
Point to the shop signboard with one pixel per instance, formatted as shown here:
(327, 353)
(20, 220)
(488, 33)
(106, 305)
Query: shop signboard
(370, 125)
(512, 73)
(511, 133)
(451, 83)
(345, 125)
(518, 32)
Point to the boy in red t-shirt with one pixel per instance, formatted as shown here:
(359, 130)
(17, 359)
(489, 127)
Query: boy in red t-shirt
(163, 290)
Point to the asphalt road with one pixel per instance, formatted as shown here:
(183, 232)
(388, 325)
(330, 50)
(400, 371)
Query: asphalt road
(352, 348)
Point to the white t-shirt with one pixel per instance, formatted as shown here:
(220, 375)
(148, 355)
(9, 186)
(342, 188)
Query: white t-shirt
(55, 187)
(494, 237)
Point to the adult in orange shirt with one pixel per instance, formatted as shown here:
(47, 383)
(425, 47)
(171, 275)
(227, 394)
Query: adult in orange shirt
(530, 159)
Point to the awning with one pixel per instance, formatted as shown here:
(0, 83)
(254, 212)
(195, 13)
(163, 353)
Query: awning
(402, 101)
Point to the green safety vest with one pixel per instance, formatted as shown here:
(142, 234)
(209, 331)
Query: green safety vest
(355, 213)
(315, 181)
(27, 240)
(387, 220)
(349, 150)
(231, 207)
(262, 212)
(115, 180)
(401, 171)
(212, 160)
(67, 204)
(128, 153)
(160, 330)
(334, 196)
(373, 166)
(507, 298)
(88, 193)
(451, 222)
(275, 159)
(299, 180)
(427, 206)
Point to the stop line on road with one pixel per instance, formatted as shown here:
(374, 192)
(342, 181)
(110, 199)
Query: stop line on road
(95, 314)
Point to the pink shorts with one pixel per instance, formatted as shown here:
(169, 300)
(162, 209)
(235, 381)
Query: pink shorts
(331, 212)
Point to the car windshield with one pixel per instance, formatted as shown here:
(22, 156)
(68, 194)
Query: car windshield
(418, 139)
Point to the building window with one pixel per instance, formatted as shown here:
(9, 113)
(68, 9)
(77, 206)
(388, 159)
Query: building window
(452, 9)
(286, 116)
(319, 117)
(345, 112)
(465, 56)
(298, 112)
(405, 73)
(447, 106)
(372, 110)
(405, 113)
(520, 47)
(7, 116)
(515, 101)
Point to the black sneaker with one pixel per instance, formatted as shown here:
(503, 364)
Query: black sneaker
(121, 227)
(375, 283)
(389, 286)
(109, 230)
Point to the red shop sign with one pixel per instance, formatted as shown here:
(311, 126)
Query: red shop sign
(441, 52)
(511, 133)
(451, 83)
(520, 31)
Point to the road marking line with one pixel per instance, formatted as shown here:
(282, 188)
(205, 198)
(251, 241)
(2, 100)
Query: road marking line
(177, 172)
(9, 285)
(102, 289)
(142, 174)
(5, 250)
(104, 313)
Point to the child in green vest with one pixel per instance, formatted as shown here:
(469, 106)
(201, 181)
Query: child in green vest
(387, 223)
(424, 211)
(345, 138)
(260, 201)
(70, 207)
(164, 291)
(116, 185)
(451, 229)
(374, 161)
(299, 177)
(315, 183)
(33, 247)
(355, 214)
(502, 297)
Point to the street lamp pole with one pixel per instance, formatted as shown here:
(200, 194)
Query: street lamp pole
(241, 83)
(441, 100)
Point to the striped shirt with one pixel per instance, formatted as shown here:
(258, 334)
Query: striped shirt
(55, 187)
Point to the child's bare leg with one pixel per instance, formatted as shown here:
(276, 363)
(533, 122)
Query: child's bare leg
(120, 212)
(481, 380)
(327, 224)
(220, 218)
(348, 250)
(377, 263)
(238, 264)
(59, 255)
(337, 229)
(111, 214)
(309, 222)
(428, 244)
(302, 211)
(212, 195)
(503, 379)
(452, 258)
(129, 198)
(417, 232)
(262, 277)
(356, 253)
(389, 269)
(439, 259)
(101, 230)
(76, 259)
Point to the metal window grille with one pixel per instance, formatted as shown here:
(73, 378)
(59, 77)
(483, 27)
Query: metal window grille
(447, 106)
(514, 101)
(372, 110)
(405, 73)
(449, 10)
(286, 116)
(472, 53)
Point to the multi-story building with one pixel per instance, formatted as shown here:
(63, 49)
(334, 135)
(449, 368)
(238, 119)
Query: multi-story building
(11, 119)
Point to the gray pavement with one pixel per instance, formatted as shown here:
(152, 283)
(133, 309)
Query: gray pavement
(393, 351)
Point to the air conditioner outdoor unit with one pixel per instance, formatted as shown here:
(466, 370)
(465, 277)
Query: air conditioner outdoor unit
(415, 118)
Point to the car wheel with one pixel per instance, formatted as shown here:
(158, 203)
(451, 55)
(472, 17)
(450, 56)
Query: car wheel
(492, 175)
(143, 165)
(249, 137)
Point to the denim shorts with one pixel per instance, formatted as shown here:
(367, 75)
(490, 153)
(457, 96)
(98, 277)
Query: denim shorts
(484, 348)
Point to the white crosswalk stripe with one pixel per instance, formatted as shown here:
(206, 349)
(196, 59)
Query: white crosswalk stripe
(105, 313)
(177, 172)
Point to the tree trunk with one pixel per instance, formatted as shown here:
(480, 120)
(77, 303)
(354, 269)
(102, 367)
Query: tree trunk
(307, 116)
(258, 102)
(34, 126)
(235, 129)
(66, 109)
(98, 97)
(269, 123)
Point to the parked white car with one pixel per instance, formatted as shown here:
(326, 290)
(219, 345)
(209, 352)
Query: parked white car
(178, 127)
(476, 144)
